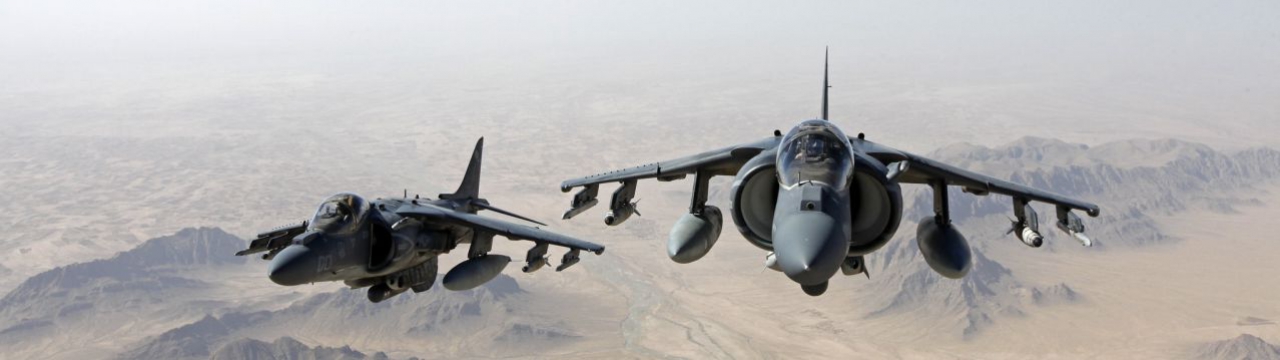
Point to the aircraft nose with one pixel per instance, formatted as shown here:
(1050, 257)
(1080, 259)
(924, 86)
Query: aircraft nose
(809, 247)
(292, 266)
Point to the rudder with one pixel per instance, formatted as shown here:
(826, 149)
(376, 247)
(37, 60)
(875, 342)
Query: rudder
(470, 187)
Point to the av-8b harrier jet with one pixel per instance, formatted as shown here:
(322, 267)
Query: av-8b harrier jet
(393, 245)
(819, 201)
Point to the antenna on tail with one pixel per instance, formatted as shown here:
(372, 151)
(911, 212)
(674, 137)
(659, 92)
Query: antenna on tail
(825, 84)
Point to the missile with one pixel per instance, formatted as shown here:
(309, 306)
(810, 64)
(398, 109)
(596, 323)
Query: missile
(582, 201)
(1031, 237)
(621, 207)
(568, 259)
(1071, 224)
(1083, 239)
(1027, 226)
(1079, 236)
(536, 258)
(1027, 233)
(579, 208)
(534, 265)
(620, 214)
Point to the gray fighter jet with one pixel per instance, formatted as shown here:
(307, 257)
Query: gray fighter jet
(393, 245)
(819, 201)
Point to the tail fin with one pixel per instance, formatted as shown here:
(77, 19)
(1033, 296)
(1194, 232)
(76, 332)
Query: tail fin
(825, 84)
(470, 187)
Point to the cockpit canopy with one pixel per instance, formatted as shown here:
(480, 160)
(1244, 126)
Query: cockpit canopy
(342, 213)
(815, 151)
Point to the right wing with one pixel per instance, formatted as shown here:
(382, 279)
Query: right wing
(719, 161)
(273, 241)
(723, 161)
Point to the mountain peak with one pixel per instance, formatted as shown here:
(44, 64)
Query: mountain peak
(285, 348)
(1245, 346)
(189, 246)
(143, 268)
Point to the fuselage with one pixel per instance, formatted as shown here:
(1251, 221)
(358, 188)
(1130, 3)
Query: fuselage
(811, 221)
(816, 201)
(364, 248)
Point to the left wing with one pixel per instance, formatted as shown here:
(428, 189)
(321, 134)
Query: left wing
(497, 227)
(921, 170)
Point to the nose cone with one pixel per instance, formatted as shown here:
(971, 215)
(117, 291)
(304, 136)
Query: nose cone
(292, 266)
(809, 246)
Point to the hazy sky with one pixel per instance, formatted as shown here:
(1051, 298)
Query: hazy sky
(1209, 56)
(937, 33)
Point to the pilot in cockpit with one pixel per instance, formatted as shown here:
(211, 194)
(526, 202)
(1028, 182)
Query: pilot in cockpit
(814, 153)
(342, 213)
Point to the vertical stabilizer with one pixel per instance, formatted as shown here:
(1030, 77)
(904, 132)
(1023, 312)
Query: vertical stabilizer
(825, 84)
(470, 187)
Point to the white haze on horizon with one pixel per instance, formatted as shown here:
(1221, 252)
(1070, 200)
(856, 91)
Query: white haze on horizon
(1201, 58)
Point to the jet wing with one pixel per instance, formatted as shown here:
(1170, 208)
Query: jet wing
(497, 227)
(922, 170)
(274, 240)
(721, 161)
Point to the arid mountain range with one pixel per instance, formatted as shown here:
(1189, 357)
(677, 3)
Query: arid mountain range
(186, 296)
